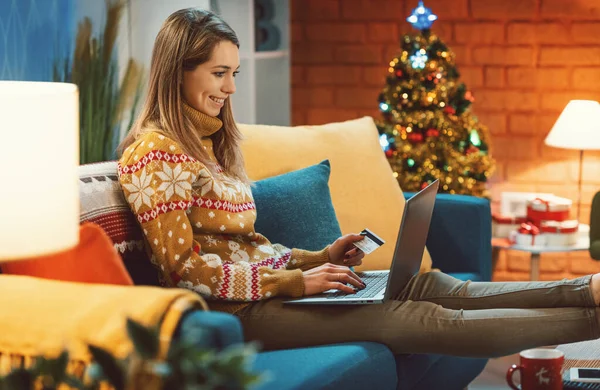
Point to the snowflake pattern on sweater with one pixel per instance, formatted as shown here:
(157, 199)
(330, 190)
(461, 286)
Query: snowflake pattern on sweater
(199, 228)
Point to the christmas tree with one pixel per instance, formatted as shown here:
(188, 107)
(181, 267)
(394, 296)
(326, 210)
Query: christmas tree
(427, 131)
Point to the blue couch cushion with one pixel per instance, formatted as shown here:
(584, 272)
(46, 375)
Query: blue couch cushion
(346, 366)
(295, 209)
(460, 235)
(209, 329)
(425, 372)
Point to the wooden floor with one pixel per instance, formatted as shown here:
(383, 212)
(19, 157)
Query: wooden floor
(493, 376)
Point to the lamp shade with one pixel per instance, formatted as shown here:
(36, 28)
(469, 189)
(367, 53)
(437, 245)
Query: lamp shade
(39, 198)
(577, 127)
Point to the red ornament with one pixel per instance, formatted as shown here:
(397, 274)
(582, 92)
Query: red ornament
(450, 110)
(472, 149)
(415, 137)
(423, 185)
(432, 133)
(432, 77)
(389, 153)
(399, 73)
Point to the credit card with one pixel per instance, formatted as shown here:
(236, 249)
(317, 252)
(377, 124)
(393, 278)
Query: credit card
(369, 243)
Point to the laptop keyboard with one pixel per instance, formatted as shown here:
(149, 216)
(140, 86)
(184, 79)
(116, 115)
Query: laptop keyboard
(375, 283)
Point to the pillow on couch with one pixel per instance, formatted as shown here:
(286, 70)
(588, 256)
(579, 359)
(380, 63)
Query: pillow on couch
(93, 260)
(364, 192)
(102, 202)
(294, 209)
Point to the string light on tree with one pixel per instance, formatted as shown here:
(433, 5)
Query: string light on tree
(419, 59)
(383, 141)
(427, 131)
(474, 138)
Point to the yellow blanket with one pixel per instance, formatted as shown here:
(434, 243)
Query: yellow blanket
(43, 317)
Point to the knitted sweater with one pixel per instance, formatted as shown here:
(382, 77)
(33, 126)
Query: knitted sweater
(199, 227)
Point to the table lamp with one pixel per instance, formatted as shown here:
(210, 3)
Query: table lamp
(577, 127)
(39, 199)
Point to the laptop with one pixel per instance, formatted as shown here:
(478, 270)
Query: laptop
(406, 262)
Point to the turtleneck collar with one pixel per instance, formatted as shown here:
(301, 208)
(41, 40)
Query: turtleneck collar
(204, 124)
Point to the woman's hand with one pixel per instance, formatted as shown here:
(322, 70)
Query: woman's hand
(342, 252)
(329, 276)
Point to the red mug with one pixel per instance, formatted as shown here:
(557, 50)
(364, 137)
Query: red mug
(541, 369)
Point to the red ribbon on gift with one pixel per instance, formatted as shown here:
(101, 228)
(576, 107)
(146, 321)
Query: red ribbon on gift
(537, 216)
(531, 229)
(507, 219)
(542, 201)
(565, 227)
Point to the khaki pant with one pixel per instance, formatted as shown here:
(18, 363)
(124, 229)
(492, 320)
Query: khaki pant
(437, 313)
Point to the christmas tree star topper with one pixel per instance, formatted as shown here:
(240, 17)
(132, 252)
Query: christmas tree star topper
(422, 18)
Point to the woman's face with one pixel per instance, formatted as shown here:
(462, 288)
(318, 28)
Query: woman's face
(206, 87)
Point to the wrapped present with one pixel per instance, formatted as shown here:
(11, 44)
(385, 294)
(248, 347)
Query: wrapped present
(583, 230)
(515, 203)
(560, 233)
(502, 225)
(528, 235)
(548, 208)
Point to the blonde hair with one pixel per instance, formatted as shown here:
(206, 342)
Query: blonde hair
(186, 40)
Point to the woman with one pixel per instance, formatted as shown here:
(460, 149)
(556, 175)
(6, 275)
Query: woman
(183, 174)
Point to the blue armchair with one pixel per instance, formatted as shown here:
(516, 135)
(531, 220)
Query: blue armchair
(459, 243)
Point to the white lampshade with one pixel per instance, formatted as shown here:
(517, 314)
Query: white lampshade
(577, 127)
(39, 198)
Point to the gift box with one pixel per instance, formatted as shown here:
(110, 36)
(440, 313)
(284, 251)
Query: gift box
(560, 233)
(515, 203)
(528, 235)
(583, 230)
(502, 225)
(548, 208)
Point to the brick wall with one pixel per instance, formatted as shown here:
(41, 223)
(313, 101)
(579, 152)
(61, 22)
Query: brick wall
(523, 60)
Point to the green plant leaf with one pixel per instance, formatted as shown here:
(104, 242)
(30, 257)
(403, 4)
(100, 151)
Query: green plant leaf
(58, 367)
(94, 67)
(144, 340)
(19, 379)
(74, 383)
(110, 367)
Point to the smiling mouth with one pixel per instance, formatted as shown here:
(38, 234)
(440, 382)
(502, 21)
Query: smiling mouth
(217, 100)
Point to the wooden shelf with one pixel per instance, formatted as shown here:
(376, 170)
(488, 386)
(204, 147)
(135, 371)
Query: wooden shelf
(260, 55)
(263, 86)
(271, 54)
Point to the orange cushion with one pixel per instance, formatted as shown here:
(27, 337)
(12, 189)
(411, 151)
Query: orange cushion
(93, 260)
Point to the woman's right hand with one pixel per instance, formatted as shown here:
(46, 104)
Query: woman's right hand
(330, 276)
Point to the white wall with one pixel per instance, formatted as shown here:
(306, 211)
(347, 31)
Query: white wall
(94, 9)
(146, 18)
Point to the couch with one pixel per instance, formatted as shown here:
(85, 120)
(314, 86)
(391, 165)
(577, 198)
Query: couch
(458, 244)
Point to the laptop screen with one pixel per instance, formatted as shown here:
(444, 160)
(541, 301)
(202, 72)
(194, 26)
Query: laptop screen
(412, 237)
